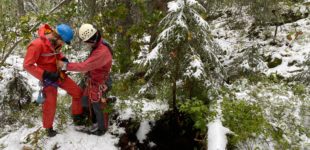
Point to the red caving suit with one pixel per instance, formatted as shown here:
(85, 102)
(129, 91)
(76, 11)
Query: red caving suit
(36, 62)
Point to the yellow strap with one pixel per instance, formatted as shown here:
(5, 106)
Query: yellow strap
(47, 31)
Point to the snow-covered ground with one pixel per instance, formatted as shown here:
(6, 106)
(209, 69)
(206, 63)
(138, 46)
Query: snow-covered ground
(293, 42)
(289, 51)
(282, 108)
(292, 52)
(67, 139)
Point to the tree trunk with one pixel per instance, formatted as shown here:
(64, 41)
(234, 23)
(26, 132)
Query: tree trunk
(160, 5)
(190, 88)
(275, 34)
(174, 95)
(175, 79)
(91, 8)
(124, 39)
(21, 9)
(1, 12)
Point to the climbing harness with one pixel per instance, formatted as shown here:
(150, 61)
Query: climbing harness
(41, 96)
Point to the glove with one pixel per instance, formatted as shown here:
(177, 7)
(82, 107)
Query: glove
(64, 59)
(51, 76)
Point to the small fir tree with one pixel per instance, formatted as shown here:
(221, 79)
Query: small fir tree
(184, 51)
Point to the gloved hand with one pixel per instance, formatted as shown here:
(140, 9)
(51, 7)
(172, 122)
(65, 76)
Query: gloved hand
(52, 76)
(62, 65)
(64, 59)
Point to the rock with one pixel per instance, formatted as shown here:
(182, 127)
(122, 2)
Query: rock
(272, 63)
(27, 147)
(291, 63)
(18, 92)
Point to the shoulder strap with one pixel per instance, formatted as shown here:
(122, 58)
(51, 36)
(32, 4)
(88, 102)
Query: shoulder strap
(49, 54)
(107, 44)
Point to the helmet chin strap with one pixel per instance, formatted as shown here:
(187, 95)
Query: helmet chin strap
(53, 41)
(94, 39)
(91, 42)
(54, 44)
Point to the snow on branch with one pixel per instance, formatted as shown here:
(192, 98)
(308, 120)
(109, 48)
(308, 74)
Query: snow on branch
(175, 6)
(195, 68)
(154, 54)
(166, 34)
(199, 20)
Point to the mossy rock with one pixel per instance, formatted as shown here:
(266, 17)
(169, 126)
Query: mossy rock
(18, 93)
(272, 63)
(292, 63)
(275, 77)
(299, 89)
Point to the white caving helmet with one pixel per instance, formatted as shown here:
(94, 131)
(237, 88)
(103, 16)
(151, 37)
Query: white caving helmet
(86, 31)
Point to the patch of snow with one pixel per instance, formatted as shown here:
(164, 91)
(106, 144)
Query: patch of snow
(143, 130)
(152, 144)
(13, 141)
(217, 139)
(126, 114)
(147, 107)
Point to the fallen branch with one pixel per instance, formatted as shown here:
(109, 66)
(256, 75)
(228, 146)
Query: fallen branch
(10, 51)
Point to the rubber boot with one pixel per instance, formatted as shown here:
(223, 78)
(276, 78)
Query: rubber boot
(50, 132)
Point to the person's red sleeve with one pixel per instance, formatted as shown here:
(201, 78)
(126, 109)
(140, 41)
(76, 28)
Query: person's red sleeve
(61, 55)
(96, 60)
(31, 57)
